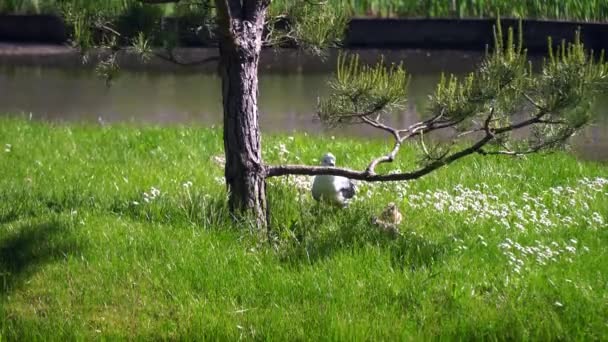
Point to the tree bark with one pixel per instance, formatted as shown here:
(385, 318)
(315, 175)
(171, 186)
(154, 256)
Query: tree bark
(244, 172)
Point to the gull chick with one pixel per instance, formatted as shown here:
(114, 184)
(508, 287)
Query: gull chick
(391, 214)
(333, 189)
(389, 219)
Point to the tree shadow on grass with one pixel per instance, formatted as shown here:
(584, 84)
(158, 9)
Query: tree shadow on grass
(8, 216)
(30, 247)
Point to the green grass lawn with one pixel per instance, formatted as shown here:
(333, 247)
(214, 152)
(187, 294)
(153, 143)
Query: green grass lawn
(123, 232)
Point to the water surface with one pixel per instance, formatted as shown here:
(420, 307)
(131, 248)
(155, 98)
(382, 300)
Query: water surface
(287, 102)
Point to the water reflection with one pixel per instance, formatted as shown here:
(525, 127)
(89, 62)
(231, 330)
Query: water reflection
(287, 102)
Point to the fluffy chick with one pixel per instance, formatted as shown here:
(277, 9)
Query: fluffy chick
(388, 220)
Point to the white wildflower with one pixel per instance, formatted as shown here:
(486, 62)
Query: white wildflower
(597, 218)
(219, 160)
(155, 192)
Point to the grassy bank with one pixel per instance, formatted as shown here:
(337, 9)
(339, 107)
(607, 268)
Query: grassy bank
(110, 232)
(587, 10)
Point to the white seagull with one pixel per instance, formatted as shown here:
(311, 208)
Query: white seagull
(334, 189)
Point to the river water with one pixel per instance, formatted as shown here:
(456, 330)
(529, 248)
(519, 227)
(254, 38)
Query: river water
(287, 101)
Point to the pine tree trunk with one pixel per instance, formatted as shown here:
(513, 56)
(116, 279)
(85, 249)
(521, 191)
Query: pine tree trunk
(245, 174)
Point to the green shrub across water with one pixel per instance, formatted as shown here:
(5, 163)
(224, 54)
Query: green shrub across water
(585, 10)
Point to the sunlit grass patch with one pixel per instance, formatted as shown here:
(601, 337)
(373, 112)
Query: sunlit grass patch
(123, 232)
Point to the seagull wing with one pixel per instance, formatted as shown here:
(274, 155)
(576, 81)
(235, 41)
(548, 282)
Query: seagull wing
(333, 188)
(347, 187)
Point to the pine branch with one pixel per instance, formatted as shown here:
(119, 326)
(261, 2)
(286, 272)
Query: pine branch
(381, 126)
(534, 149)
(282, 170)
(534, 103)
(384, 159)
(369, 175)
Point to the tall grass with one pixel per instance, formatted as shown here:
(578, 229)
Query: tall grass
(101, 7)
(585, 10)
(121, 232)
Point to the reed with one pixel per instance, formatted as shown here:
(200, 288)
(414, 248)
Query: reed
(583, 10)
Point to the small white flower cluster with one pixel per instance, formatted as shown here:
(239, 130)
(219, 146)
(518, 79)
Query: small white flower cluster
(596, 184)
(282, 151)
(366, 190)
(8, 148)
(187, 185)
(519, 256)
(539, 213)
(219, 160)
(149, 196)
(300, 183)
(560, 207)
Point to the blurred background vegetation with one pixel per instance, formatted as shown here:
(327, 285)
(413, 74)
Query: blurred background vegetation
(583, 10)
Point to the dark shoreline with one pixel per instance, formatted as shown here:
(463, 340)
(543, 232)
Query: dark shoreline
(279, 61)
(377, 33)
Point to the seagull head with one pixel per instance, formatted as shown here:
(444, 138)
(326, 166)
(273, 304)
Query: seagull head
(328, 160)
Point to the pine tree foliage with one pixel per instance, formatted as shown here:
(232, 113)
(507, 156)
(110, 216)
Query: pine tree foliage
(311, 25)
(360, 90)
(136, 25)
(482, 109)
